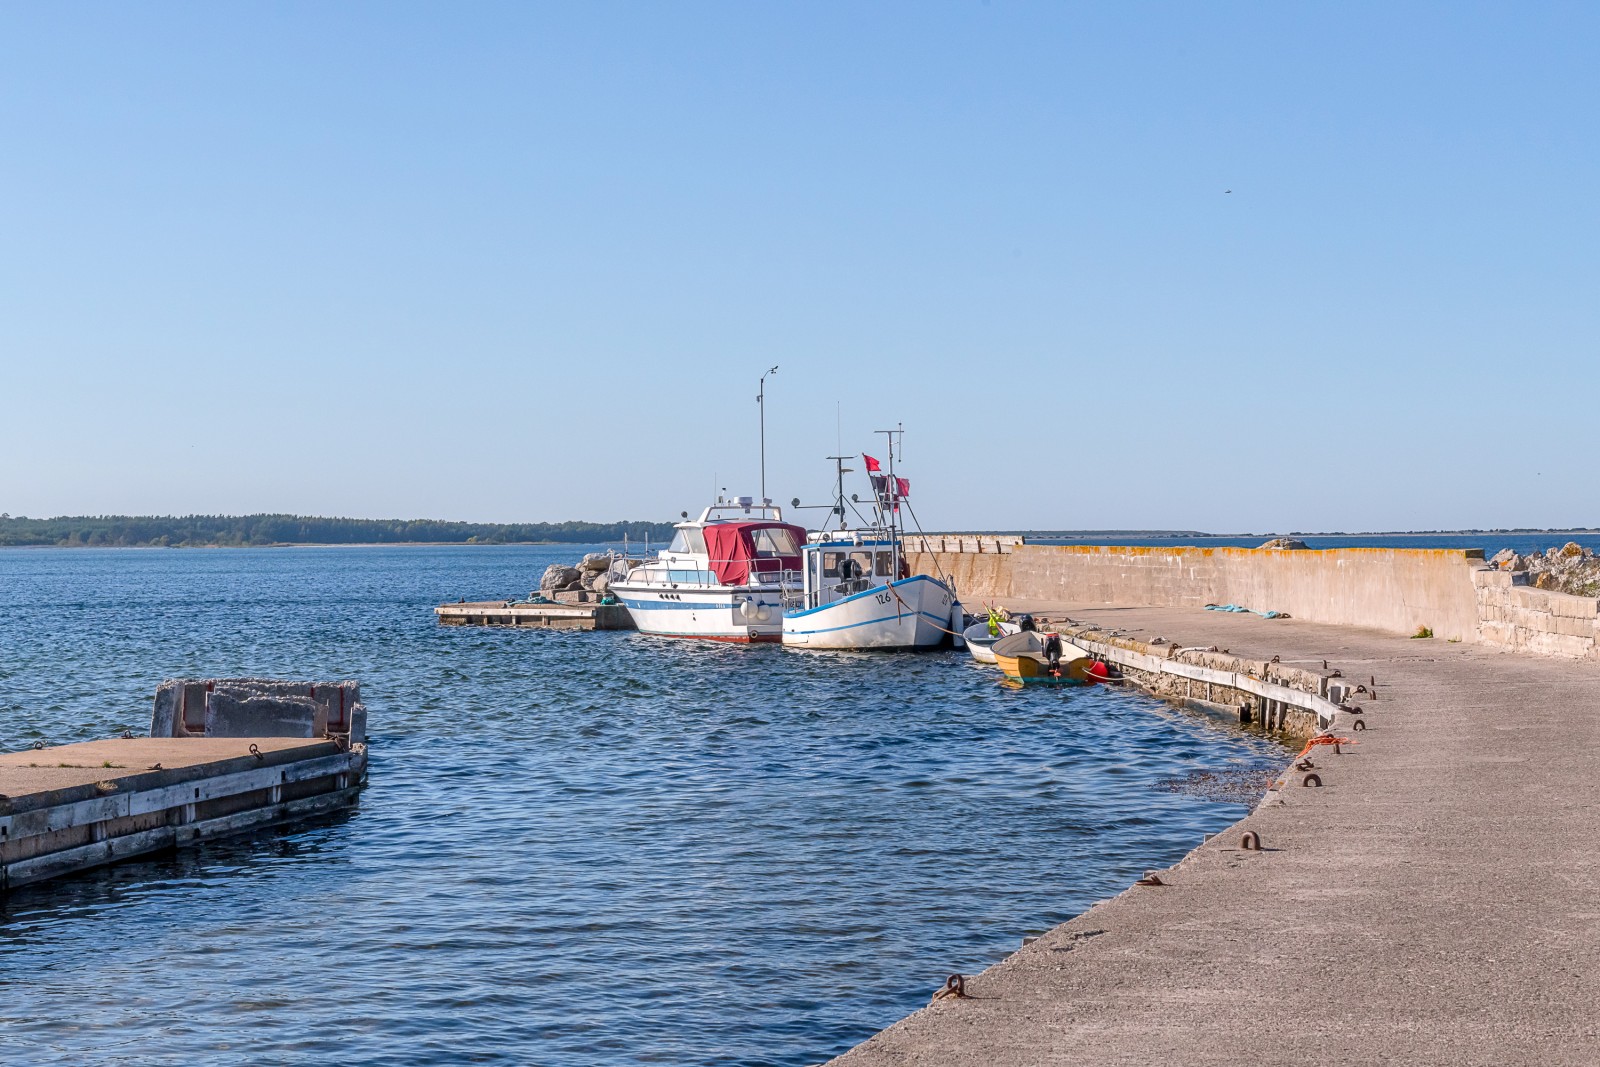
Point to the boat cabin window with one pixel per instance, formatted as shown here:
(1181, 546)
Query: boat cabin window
(689, 539)
(885, 564)
(859, 565)
(774, 542)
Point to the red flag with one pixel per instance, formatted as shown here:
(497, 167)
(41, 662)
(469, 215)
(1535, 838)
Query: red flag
(872, 464)
(902, 487)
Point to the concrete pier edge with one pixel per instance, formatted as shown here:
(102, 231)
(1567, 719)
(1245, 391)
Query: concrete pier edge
(1433, 901)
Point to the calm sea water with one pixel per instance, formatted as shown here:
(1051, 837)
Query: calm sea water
(575, 848)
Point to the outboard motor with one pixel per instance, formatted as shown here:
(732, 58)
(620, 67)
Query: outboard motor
(1026, 624)
(1052, 652)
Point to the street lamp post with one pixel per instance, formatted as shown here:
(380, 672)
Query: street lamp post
(761, 402)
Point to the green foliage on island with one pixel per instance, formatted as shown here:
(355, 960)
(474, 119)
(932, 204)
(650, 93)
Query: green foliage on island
(196, 531)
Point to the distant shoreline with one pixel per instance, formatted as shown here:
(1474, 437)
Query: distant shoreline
(281, 530)
(1061, 535)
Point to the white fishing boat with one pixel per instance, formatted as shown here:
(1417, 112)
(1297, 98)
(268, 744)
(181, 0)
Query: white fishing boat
(723, 578)
(980, 637)
(858, 591)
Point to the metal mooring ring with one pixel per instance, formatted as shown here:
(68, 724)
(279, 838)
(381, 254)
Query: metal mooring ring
(1359, 724)
(1251, 841)
(1312, 779)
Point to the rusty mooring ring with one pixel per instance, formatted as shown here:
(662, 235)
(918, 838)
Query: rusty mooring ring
(1359, 724)
(1251, 841)
(1313, 780)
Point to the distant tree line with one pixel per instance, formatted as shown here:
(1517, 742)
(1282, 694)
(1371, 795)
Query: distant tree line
(240, 530)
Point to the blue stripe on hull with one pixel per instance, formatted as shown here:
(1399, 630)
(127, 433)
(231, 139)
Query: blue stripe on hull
(935, 619)
(676, 605)
(900, 584)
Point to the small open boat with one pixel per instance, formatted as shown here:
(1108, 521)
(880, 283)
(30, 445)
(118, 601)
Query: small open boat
(1033, 658)
(980, 642)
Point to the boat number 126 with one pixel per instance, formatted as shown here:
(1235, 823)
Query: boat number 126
(883, 598)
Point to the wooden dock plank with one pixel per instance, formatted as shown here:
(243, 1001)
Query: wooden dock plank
(554, 616)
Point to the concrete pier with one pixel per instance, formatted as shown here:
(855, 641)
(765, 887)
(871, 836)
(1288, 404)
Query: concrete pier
(1281, 697)
(554, 616)
(68, 808)
(1435, 899)
(224, 755)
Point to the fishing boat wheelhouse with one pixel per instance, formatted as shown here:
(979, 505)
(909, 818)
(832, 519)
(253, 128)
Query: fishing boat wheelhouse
(723, 577)
(858, 591)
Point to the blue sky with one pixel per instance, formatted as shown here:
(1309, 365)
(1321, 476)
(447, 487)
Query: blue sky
(524, 261)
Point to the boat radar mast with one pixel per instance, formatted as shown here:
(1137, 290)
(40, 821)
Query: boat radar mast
(835, 509)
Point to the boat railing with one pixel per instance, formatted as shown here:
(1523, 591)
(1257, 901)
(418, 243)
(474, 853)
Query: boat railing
(673, 577)
(831, 592)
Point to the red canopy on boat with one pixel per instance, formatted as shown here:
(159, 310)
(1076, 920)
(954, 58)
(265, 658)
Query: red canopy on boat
(740, 549)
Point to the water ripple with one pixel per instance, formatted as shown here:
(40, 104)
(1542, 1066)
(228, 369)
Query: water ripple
(576, 848)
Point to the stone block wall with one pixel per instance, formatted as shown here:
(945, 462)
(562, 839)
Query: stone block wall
(1517, 616)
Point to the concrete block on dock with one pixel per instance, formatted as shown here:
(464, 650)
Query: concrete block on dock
(231, 715)
(164, 718)
(182, 706)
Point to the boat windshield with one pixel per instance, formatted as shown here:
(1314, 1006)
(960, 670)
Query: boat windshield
(689, 539)
(773, 541)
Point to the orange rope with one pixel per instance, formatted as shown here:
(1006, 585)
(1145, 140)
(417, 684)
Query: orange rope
(1324, 739)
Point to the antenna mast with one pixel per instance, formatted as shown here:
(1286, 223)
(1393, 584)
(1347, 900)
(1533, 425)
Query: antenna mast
(894, 492)
(838, 494)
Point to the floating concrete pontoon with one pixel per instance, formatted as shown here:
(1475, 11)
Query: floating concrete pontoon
(217, 763)
(552, 616)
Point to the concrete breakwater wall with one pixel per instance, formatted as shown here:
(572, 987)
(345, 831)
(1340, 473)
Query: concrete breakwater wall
(1449, 591)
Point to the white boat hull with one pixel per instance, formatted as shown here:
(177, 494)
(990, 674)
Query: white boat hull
(979, 643)
(910, 613)
(714, 613)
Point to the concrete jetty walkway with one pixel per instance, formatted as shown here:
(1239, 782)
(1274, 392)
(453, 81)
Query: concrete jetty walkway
(1436, 902)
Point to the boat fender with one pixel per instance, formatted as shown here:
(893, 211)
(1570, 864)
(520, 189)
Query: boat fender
(747, 610)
